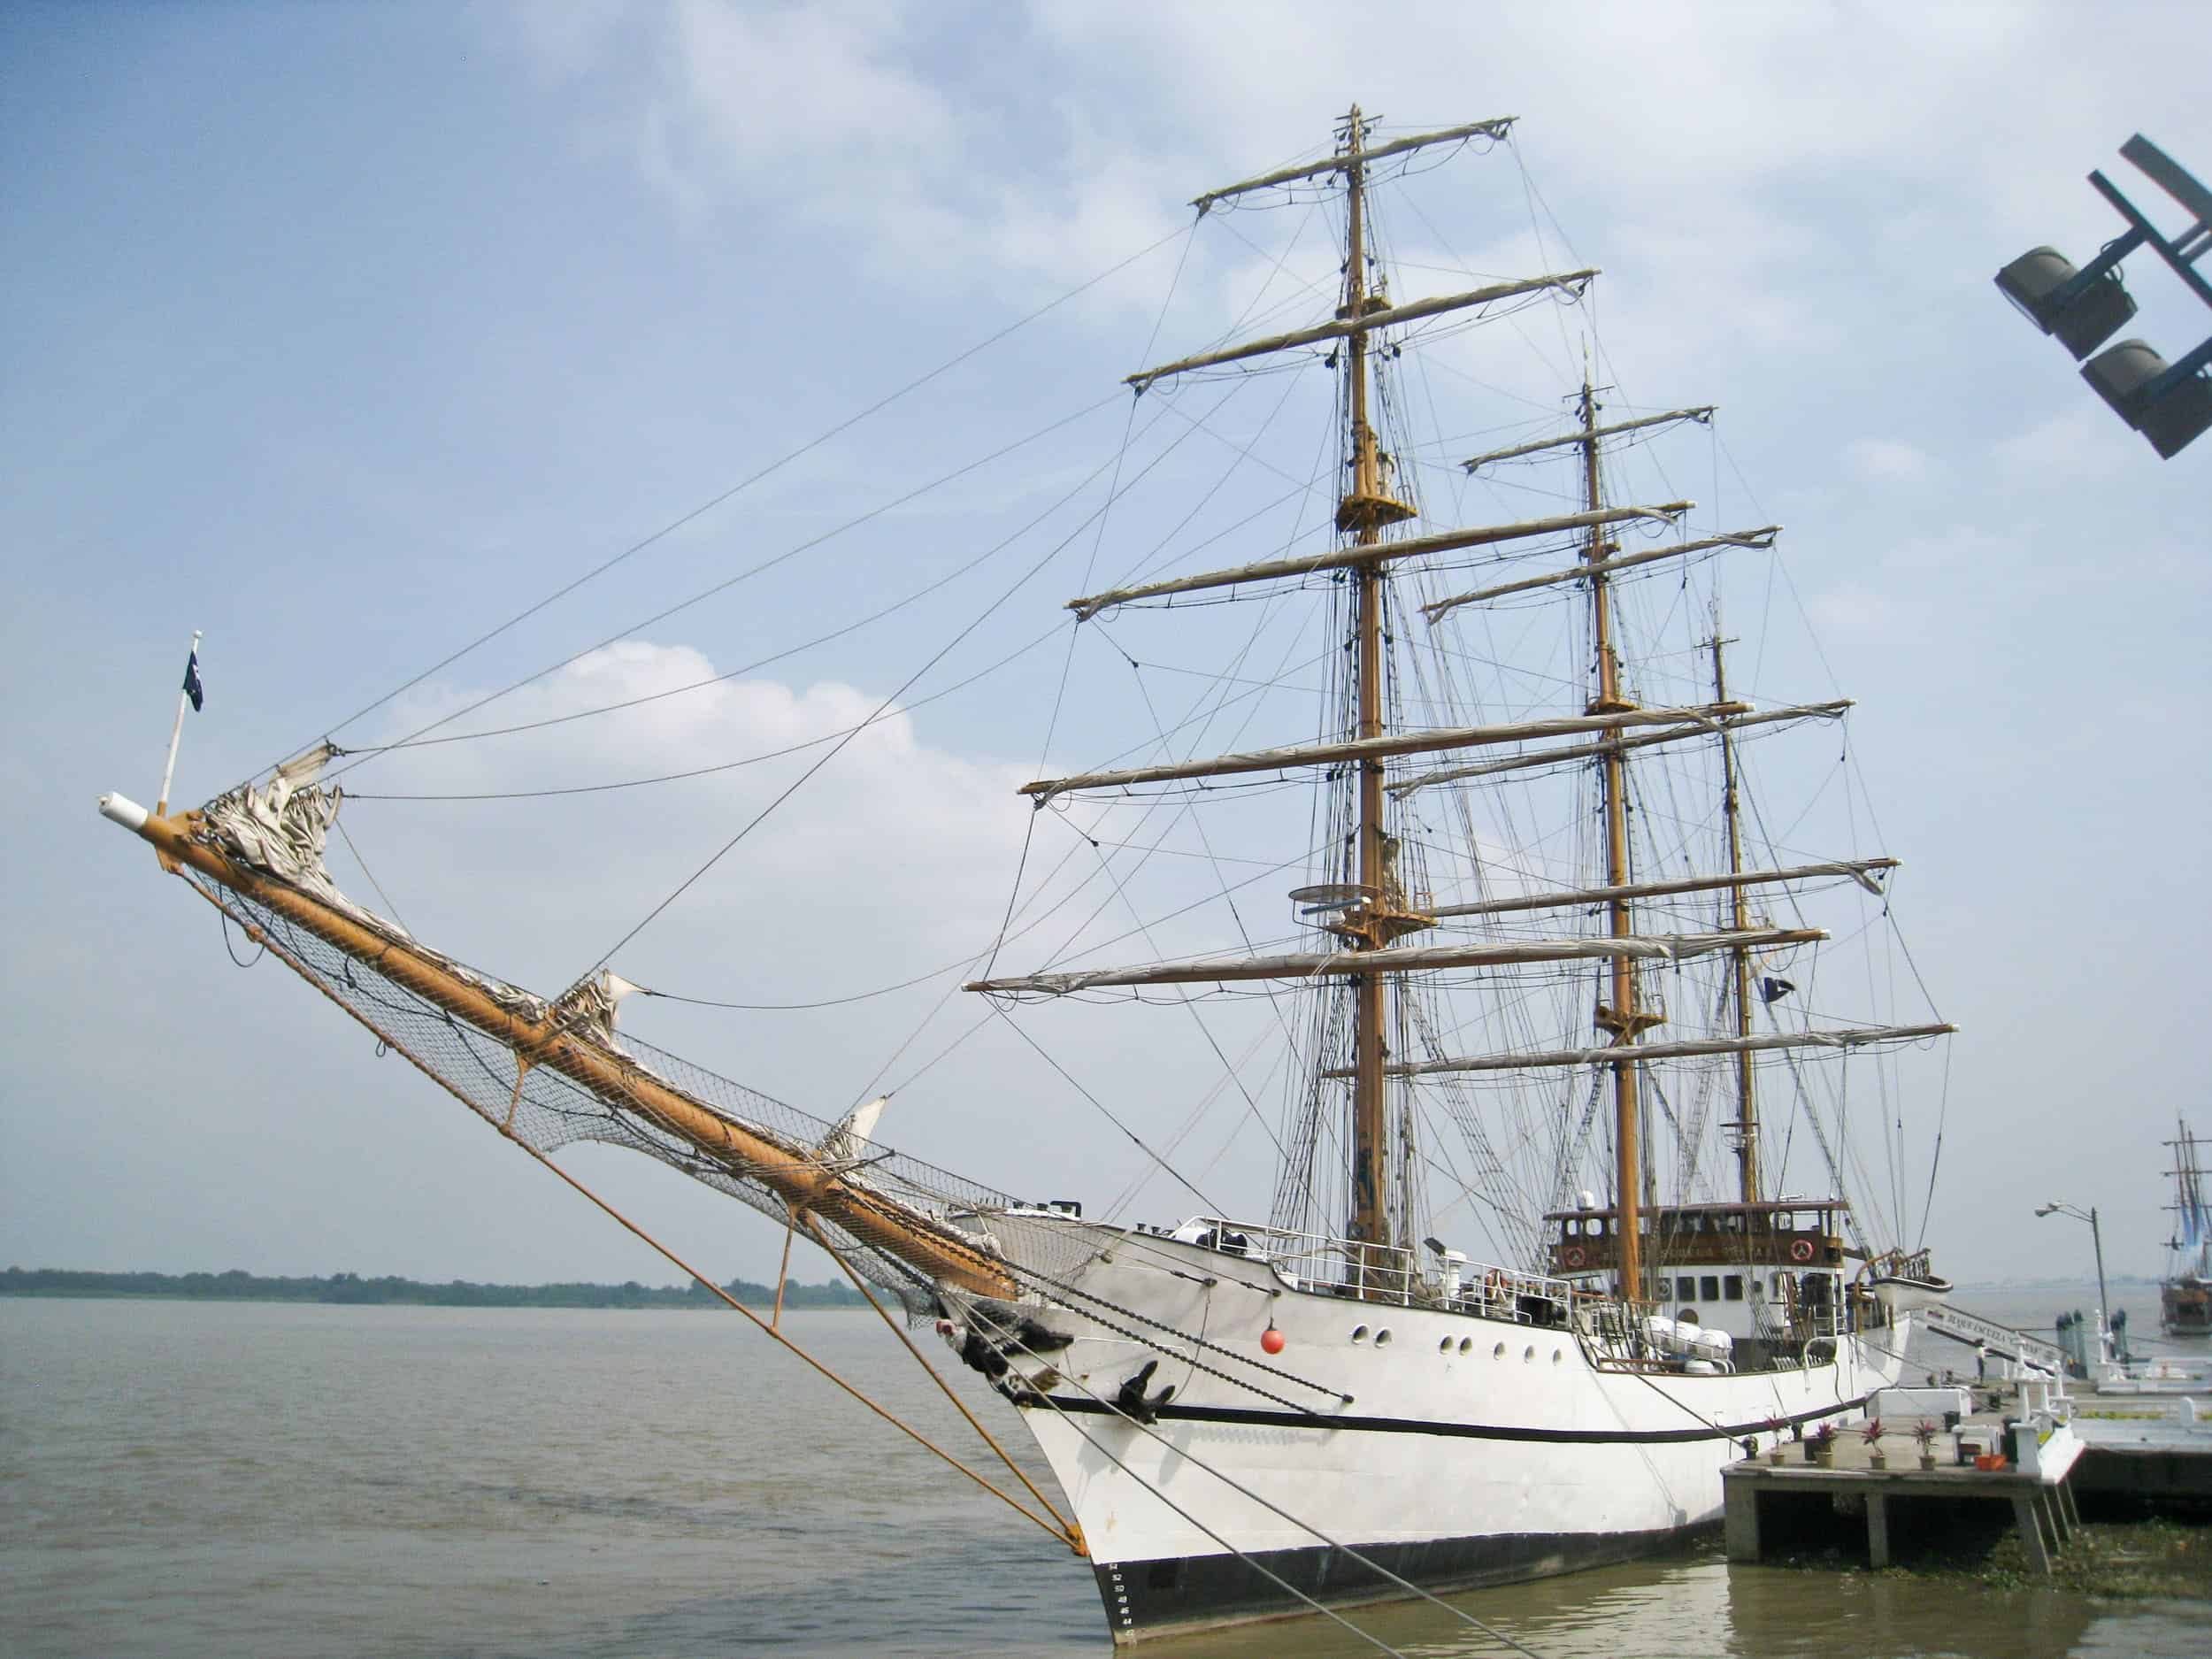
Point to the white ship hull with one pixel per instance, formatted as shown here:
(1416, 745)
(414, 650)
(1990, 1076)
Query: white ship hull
(1470, 1450)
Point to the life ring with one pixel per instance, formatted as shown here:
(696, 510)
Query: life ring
(1801, 1249)
(1573, 1256)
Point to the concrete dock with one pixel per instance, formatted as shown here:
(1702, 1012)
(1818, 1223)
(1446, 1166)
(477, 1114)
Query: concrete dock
(1796, 1497)
(2040, 1442)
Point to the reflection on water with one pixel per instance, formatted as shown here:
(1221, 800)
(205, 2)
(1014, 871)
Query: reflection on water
(196, 1479)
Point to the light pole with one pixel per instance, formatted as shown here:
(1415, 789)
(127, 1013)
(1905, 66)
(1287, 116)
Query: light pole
(2096, 1237)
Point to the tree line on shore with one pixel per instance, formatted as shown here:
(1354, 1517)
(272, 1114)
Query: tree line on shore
(237, 1285)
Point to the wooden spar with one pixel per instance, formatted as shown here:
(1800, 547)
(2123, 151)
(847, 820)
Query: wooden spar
(1856, 868)
(1744, 1047)
(1344, 160)
(1356, 326)
(1762, 537)
(1398, 959)
(1747, 1125)
(1366, 750)
(789, 1171)
(1365, 510)
(1701, 414)
(1589, 751)
(1622, 1017)
(1371, 552)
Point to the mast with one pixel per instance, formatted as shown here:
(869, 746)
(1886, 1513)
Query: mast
(1622, 1017)
(1747, 1124)
(1364, 511)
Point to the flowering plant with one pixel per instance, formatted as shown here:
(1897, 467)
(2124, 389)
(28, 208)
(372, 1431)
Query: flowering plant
(1871, 1431)
(1924, 1432)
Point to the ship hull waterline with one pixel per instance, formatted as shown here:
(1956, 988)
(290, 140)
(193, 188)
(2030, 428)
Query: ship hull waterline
(1456, 1449)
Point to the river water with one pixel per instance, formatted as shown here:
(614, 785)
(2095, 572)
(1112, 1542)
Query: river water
(196, 1479)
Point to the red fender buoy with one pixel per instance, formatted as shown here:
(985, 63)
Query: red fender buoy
(1272, 1340)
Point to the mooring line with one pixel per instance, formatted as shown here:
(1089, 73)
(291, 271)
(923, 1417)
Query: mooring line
(1065, 1534)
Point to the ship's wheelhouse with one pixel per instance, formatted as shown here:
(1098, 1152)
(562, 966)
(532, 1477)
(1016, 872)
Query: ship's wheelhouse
(1754, 1270)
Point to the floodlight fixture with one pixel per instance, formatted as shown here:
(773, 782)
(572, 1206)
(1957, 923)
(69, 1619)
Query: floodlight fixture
(2169, 403)
(2081, 309)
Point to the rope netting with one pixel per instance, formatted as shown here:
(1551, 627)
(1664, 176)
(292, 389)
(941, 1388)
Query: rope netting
(550, 1111)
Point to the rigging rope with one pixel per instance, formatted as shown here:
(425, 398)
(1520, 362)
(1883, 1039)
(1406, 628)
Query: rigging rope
(414, 738)
(745, 483)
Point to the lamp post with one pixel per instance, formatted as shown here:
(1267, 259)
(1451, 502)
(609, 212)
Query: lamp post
(2096, 1237)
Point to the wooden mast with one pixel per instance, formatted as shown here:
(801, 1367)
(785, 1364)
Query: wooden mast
(1747, 1124)
(1622, 1017)
(1362, 513)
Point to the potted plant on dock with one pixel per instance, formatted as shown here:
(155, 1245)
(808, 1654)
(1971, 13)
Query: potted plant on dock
(1821, 1447)
(1775, 1425)
(1870, 1431)
(1924, 1432)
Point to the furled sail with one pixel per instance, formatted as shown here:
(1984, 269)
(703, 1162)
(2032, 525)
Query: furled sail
(1760, 538)
(1366, 156)
(1703, 727)
(1381, 552)
(1309, 964)
(1376, 747)
(1612, 1055)
(1365, 322)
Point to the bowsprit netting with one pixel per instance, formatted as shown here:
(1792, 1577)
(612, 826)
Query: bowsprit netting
(545, 1110)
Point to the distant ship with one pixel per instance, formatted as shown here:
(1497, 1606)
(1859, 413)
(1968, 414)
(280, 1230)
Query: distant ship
(2185, 1298)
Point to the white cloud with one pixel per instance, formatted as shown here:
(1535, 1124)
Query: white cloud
(1885, 460)
(2085, 443)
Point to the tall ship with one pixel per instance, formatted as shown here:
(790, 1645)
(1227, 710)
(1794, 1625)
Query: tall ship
(2185, 1295)
(1565, 1213)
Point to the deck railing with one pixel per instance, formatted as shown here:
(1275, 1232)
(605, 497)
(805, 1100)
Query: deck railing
(1377, 1272)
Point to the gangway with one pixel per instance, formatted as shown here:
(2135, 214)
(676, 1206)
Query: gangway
(1945, 1320)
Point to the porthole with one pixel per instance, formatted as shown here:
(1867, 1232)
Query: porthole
(1527, 1354)
(1382, 1337)
(1555, 1357)
(1359, 1333)
(1466, 1344)
(1498, 1352)
(1443, 1345)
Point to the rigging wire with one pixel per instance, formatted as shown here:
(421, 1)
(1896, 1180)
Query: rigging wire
(1134, 1140)
(412, 738)
(882, 708)
(365, 870)
(745, 483)
(722, 766)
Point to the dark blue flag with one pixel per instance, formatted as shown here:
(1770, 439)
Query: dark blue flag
(1773, 990)
(192, 687)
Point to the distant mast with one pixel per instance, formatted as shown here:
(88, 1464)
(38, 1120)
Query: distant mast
(1747, 1124)
(1623, 1019)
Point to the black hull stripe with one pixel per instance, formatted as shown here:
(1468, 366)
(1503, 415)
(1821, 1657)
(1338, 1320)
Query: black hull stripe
(1172, 1413)
(1174, 1596)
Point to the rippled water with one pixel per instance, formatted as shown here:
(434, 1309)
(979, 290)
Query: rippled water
(204, 1479)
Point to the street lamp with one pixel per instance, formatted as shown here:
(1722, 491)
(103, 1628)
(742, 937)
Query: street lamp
(2096, 1236)
(2169, 403)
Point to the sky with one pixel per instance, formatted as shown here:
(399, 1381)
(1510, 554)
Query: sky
(346, 334)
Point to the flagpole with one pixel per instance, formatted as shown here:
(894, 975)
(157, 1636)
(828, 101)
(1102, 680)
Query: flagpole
(176, 734)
